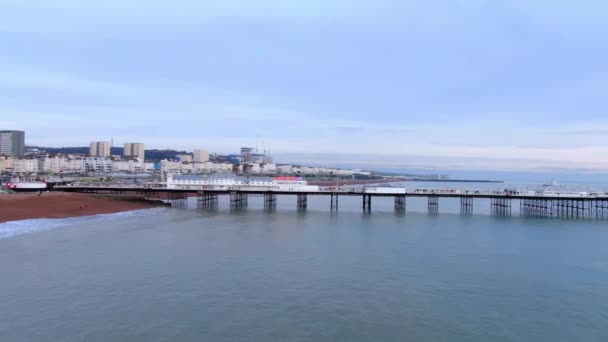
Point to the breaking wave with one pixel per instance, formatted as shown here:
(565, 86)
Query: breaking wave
(15, 228)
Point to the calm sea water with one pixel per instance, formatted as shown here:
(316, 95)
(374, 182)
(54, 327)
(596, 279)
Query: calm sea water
(187, 274)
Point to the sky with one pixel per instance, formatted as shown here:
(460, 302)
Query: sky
(445, 84)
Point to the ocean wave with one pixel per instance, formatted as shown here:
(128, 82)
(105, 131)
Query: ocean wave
(15, 228)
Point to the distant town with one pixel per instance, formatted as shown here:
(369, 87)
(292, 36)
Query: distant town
(101, 159)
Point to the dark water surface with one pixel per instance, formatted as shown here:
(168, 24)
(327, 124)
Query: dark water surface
(217, 275)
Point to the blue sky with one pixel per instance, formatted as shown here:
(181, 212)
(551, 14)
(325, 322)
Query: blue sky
(515, 85)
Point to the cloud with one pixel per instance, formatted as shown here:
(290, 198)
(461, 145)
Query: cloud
(601, 131)
(496, 84)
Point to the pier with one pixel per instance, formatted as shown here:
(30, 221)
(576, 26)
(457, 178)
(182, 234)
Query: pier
(531, 204)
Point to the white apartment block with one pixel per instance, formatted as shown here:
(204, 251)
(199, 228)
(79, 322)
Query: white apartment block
(285, 169)
(269, 168)
(75, 165)
(54, 164)
(99, 165)
(132, 166)
(25, 165)
(168, 166)
(6, 164)
(208, 167)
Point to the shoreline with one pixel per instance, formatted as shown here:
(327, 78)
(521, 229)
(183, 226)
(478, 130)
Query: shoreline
(356, 181)
(57, 205)
(397, 180)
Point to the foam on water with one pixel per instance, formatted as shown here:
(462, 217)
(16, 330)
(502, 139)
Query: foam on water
(15, 228)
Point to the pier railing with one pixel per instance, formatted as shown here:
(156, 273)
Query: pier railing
(354, 191)
(531, 203)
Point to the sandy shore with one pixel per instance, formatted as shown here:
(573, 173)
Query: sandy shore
(60, 205)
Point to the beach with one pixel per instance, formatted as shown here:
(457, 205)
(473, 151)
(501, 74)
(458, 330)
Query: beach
(25, 206)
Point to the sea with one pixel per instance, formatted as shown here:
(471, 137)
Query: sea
(253, 274)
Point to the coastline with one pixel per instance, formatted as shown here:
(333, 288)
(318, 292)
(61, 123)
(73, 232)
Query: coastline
(51, 205)
(397, 180)
(357, 181)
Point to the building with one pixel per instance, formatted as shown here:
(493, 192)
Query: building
(269, 168)
(132, 166)
(170, 166)
(234, 159)
(97, 165)
(284, 169)
(6, 164)
(29, 165)
(257, 158)
(12, 143)
(99, 149)
(73, 166)
(134, 150)
(208, 167)
(185, 158)
(246, 154)
(226, 181)
(54, 164)
(201, 156)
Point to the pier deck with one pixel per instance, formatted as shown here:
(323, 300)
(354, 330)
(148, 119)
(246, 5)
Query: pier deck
(550, 204)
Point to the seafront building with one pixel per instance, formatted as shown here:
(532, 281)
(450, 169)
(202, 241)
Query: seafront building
(97, 165)
(24, 165)
(99, 162)
(169, 166)
(6, 164)
(73, 164)
(12, 143)
(55, 164)
(132, 166)
(99, 149)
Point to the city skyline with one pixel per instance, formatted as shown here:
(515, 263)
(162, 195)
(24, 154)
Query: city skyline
(450, 84)
(407, 163)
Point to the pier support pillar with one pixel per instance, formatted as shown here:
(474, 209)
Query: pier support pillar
(541, 207)
(302, 202)
(599, 208)
(334, 202)
(270, 200)
(238, 199)
(400, 203)
(501, 206)
(177, 198)
(433, 204)
(466, 205)
(367, 203)
(562, 208)
(206, 199)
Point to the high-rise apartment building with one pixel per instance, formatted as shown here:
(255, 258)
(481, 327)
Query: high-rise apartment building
(12, 143)
(134, 150)
(99, 149)
(201, 156)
